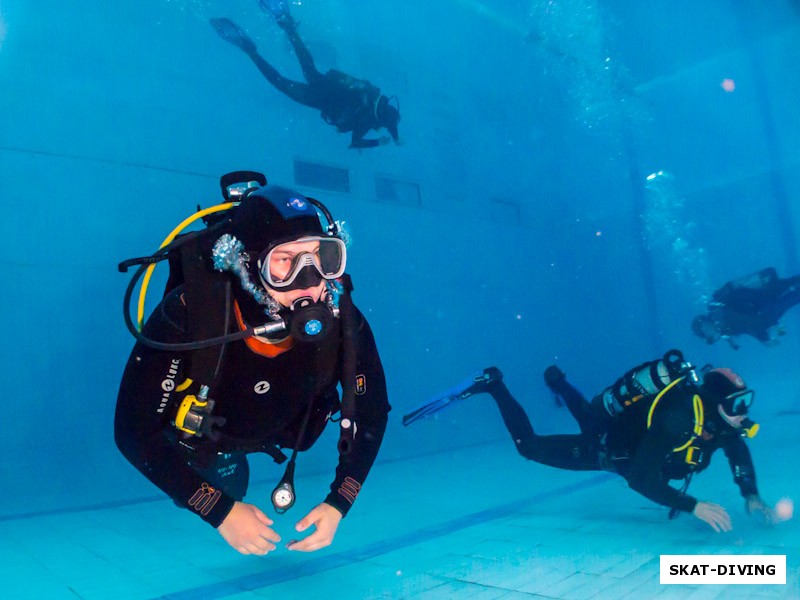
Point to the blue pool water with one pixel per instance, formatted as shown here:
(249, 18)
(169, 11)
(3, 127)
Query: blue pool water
(572, 181)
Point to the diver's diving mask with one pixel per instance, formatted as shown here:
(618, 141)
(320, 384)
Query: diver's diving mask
(280, 266)
(740, 402)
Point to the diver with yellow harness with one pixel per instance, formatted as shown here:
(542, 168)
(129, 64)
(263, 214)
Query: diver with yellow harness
(243, 355)
(656, 423)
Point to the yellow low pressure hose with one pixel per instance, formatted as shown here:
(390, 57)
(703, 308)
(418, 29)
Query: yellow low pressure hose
(173, 234)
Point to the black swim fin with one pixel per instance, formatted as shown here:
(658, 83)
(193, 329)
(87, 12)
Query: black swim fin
(233, 34)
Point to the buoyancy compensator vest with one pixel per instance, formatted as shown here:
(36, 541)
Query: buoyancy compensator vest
(209, 301)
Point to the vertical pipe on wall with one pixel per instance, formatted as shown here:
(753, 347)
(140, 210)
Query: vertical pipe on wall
(776, 176)
(772, 141)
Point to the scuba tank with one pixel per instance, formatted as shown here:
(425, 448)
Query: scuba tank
(647, 379)
(747, 285)
(757, 280)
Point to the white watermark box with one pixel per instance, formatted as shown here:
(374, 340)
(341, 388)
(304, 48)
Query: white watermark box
(723, 568)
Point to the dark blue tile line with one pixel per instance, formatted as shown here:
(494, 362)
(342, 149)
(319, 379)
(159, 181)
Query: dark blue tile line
(326, 563)
(78, 509)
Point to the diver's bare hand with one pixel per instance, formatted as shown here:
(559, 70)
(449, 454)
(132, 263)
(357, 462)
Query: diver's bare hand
(326, 520)
(755, 506)
(713, 514)
(246, 529)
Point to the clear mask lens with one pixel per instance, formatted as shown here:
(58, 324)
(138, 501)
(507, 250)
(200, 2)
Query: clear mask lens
(741, 402)
(282, 264)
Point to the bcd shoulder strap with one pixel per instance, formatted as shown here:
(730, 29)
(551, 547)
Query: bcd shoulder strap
(697, 408)
(207, 294)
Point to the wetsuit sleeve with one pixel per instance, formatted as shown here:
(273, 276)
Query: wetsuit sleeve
(646, 475)
(360, 142)
(145, 408)
(372, 410)
(359, 131)
(741, 462)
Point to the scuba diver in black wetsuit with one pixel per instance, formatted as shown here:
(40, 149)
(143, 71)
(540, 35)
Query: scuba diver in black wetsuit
(656, 423)
(752, 305)
(347, 103)
(243, 355)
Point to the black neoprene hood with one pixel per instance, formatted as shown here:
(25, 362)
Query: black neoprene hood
(272, 215)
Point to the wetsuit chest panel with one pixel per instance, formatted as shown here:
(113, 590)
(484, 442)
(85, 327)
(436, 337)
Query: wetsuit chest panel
(261, 397)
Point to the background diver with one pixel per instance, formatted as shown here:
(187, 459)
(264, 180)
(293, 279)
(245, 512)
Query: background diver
(347, 103)
(653, 425)
(187, 417)
(752, 305)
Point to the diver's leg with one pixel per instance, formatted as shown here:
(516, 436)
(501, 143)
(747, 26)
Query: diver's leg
(235, 35)
(577, 405)
(572, 452)
(514, 416)
(304, 57)
(577, 452)
(299, 92)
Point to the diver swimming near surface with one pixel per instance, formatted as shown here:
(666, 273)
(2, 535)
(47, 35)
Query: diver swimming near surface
(347, 103)
(658, 422)
(243, 355)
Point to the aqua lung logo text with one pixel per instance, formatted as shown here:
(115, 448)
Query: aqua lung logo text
(168, 385)
(262, 387)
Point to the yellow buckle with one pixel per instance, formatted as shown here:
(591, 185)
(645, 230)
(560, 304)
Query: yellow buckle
(690, 455)
(189, 402)
(752, 431)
